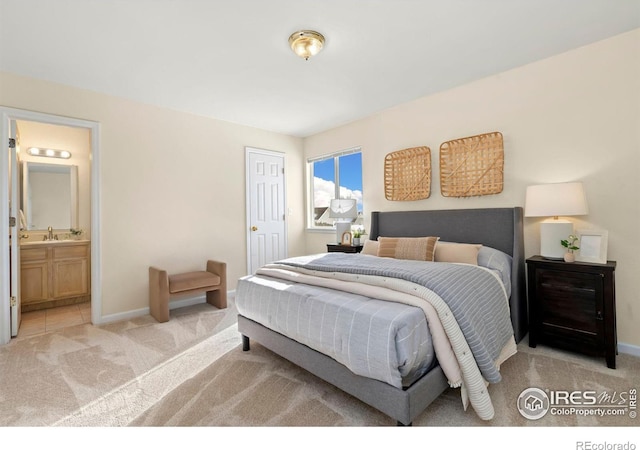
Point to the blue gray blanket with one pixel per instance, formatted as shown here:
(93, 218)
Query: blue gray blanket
(474, 295)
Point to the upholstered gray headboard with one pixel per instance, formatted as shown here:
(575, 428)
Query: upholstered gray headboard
(500, 228)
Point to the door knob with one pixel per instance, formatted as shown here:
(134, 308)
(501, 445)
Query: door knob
(254, 228)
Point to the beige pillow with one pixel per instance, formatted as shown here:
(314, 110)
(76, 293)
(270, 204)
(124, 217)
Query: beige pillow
(457, 253)
(421, 249)
(370, 248)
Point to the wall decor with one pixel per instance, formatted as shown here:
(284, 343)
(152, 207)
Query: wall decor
(593, 246)
(407, 174)
(472, 166)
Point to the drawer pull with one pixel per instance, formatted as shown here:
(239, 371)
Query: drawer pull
(599, 315)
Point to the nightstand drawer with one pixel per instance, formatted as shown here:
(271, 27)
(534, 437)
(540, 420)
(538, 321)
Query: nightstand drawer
(571, 300)
(576, 340)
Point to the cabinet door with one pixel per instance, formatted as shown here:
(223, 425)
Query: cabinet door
(34, 282)
(570, 307)
(70, 278)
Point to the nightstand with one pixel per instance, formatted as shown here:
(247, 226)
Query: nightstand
(344, 248)
(573, 306)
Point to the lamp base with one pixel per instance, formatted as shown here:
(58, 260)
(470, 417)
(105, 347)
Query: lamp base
(552, 231)
(341, 228)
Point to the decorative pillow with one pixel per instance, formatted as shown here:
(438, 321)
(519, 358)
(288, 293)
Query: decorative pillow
(370, 247)
(421, 249)
(457, 252)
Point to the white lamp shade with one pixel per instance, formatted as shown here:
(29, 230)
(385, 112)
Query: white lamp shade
(342, 208)
(557, 199)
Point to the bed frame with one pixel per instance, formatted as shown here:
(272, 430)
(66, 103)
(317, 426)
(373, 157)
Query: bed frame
(500, 228)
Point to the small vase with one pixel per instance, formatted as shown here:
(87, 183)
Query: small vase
(569, 257)
(356, 241)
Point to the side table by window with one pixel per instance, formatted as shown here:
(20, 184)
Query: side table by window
(344, 248)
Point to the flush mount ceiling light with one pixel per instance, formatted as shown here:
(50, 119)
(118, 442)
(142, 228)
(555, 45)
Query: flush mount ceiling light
(49, 152)
(306, 43)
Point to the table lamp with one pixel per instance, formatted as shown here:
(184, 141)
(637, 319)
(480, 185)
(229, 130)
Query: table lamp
(344, 211)
(554, 200)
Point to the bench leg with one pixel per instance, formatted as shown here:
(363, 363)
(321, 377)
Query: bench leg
(159, 294)
(217, 298)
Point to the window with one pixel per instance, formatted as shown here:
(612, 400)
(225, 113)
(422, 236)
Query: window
(338, 175)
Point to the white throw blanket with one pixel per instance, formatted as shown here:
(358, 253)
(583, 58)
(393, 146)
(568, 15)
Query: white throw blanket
(450, 346)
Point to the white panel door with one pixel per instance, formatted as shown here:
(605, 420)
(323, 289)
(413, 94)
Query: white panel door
(266, 238)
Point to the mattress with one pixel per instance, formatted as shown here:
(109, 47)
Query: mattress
(340, 305)
(378, 339)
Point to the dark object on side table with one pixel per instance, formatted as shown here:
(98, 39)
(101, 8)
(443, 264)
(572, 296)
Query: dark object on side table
(344, 248)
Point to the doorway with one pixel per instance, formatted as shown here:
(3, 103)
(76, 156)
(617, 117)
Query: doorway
(54, 190)
(10, 115)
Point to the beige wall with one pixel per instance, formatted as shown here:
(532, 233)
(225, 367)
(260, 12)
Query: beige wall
(575, 116)
(172, 186)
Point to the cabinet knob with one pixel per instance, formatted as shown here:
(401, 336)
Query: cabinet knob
(599, 315)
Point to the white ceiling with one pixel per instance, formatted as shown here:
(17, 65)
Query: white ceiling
(230, 60)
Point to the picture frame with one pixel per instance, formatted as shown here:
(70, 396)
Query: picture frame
(593, 246)
(346, 238)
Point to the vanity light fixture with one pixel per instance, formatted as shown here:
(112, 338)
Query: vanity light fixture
(49, 152)
(306, 43)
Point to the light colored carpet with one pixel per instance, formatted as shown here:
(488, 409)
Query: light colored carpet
(258, 388)
(191, 371)
(107, 375)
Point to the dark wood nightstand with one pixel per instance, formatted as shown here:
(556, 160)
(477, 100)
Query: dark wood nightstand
(344, 248)
(573, 306)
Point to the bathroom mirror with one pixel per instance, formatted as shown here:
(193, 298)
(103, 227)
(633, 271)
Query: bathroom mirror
(49, 196)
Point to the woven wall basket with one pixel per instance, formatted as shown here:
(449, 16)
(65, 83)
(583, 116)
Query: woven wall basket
(407, 174)
(472, 166)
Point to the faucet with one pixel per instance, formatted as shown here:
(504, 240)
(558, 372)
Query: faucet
(50, 237)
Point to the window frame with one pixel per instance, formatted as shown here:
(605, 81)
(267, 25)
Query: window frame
(310, 184)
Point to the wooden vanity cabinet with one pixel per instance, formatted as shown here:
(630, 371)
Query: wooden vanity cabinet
(70, 271)
(54, 274)
(34, 275)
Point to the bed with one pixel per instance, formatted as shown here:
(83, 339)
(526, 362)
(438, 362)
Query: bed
(291, 307)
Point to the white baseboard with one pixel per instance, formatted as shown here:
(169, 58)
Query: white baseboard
(145, 311)
(175, 304)
(628, 349)
(123, 316)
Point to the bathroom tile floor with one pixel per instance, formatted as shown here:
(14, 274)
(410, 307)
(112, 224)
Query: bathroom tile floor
(43, 321)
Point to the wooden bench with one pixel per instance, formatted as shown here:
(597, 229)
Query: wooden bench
(162, 286)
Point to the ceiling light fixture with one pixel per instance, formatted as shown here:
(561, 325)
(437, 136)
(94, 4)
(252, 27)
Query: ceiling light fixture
(306, 43)
(51, 153)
